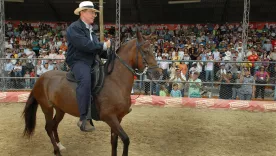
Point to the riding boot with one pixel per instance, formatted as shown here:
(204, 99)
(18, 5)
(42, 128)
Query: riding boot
(89, 115)
(86, 125)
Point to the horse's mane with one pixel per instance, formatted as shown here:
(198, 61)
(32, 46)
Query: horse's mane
(111, 57)
(123, 45)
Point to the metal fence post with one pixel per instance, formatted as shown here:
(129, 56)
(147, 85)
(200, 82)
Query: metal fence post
(151, 87)
(213, 78)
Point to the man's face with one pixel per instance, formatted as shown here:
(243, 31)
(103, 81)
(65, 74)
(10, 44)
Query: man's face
(88, 15)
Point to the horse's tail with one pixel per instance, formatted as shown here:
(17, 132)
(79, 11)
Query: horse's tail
(29, 114)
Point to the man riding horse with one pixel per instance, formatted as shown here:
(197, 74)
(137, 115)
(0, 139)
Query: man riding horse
(83, 46)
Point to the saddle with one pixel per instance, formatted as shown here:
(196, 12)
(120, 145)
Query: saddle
(97, 76)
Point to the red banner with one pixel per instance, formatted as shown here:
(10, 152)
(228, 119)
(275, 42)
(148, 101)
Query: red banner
(210, 103)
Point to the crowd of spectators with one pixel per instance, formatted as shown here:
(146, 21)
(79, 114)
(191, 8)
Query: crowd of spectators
(23, 43)
(208, 54)
(195, 55)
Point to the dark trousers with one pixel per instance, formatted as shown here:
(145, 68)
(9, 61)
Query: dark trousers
(258, 90)
(82, 75)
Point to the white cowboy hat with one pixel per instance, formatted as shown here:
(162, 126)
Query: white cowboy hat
(228, 53)
(85, 5)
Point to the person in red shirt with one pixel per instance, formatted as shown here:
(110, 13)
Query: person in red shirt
(32, 74)
(252, 58)
(273, 42)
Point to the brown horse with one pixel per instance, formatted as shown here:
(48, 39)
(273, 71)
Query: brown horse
(53, 91)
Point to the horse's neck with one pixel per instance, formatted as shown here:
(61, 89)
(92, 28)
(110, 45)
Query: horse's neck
(121, 75)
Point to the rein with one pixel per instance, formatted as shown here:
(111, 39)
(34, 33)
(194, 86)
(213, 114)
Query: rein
(110, 59)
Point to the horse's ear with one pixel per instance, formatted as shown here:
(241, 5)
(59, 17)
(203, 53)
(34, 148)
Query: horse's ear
(139, 35)
(147, 37)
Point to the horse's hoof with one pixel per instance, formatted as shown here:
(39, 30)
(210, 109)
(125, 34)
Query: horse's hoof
(61, 147)
(57, 154)
(130, 109)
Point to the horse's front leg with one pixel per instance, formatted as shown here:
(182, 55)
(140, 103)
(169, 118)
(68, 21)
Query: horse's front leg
(114, 143)
(117, 129)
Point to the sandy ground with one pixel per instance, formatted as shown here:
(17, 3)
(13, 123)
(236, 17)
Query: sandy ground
(153, 131)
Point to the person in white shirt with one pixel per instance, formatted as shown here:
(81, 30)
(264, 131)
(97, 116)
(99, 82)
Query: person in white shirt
(186, 57)
(172, 70)
(17, 70)
(164, 65)
(45, 68)
(166, 54)
(193, 68)
(52, 45)
(159, 56)
(238, 46)
(221, 71)
(181, 52)
(52, 54)
(51, 66)
(267, 46)
(209, 68)
(29, 52)
(216, 54)
(39, 68)
(250, 52)
(8, 45)
(58, 42)
(8, 68)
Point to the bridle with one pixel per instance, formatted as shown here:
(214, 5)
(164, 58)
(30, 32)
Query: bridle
(145, 63)
(134, 71)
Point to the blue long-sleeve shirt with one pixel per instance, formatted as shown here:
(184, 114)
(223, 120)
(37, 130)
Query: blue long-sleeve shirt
(176, 93)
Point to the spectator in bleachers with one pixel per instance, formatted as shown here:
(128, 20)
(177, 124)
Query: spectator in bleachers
(180, 79)
(176, 58)
(45, 68)
(27, 80)
(175, 92)
(183, 68)
(163, 91)
(17, 70)
(236, 87)
(8, 68)
(246, 91)
(32, 75)
(172, 69)
(267, 46)
(261, 77)
(252, 58)
(38, 68)
(225, 91)
(221, 71)
(209, 69)
(52, 54)
(272, 63)
(51, 65)
(194, 85)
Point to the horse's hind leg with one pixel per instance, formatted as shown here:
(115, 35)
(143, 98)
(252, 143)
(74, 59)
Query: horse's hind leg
(58, 117)
(48, 112)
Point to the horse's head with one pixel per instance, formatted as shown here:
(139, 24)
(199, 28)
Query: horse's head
(144, 57)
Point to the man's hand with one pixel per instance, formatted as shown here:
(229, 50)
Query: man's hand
(108, 44)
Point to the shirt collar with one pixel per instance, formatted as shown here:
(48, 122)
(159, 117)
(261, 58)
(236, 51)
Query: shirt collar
(88, 26)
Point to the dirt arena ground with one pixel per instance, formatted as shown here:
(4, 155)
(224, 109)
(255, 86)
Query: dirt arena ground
(153, 131)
